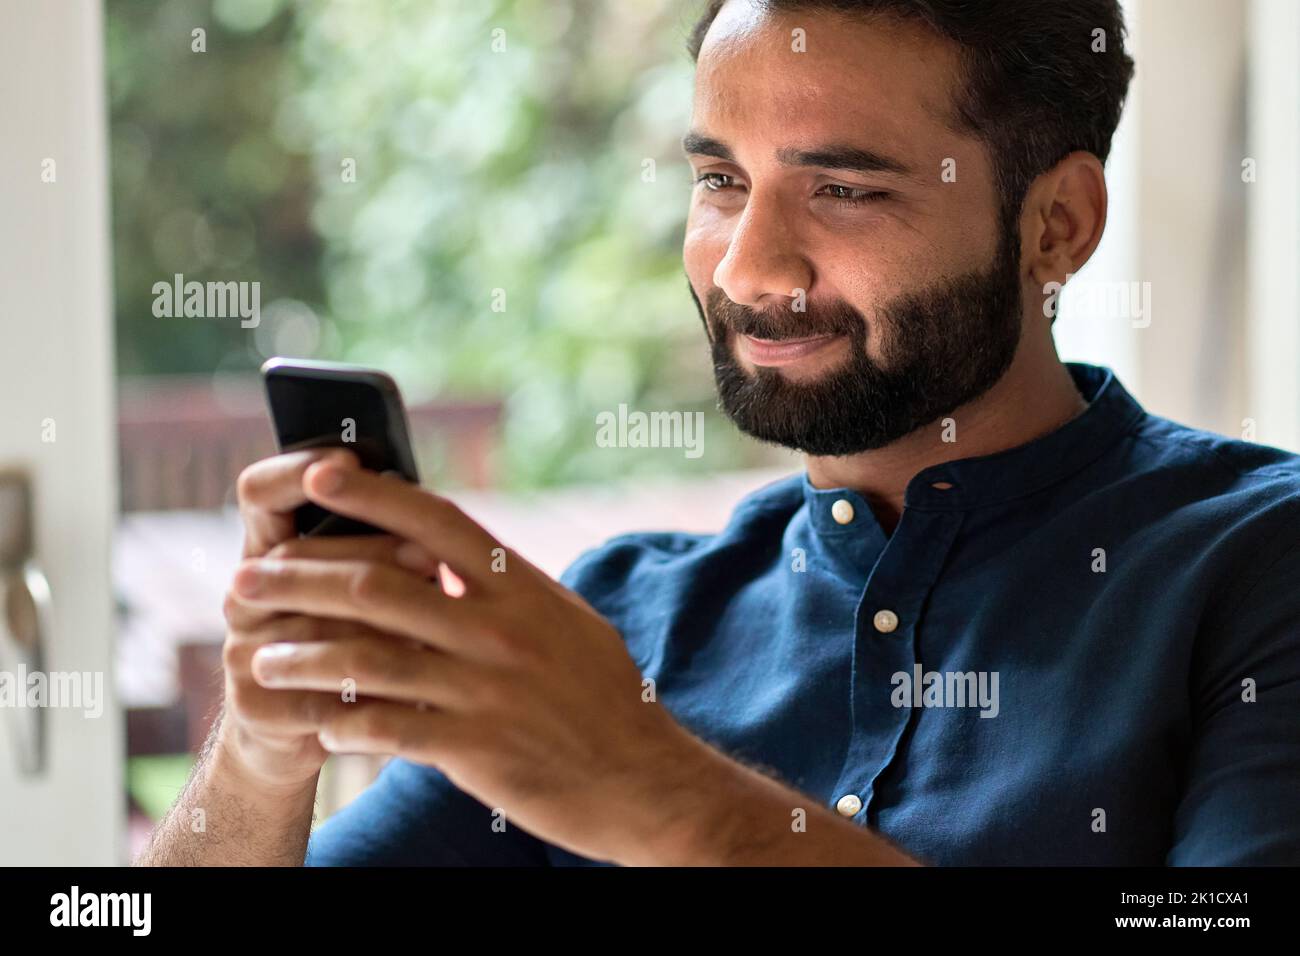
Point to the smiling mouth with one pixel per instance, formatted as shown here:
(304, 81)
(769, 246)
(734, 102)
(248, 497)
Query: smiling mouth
(777, 352)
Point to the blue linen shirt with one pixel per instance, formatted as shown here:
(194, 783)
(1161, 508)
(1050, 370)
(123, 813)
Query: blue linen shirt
(1134, 585)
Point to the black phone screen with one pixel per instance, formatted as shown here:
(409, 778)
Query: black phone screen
(359, 410)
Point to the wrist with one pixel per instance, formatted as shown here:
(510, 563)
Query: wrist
(229, 770)
(687, 818)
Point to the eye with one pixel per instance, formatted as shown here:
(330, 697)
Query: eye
(850, 196)
(715, 182)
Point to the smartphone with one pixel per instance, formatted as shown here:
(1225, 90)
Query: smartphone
(331, 405)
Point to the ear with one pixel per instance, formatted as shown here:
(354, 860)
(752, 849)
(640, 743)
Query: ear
(1063, 218)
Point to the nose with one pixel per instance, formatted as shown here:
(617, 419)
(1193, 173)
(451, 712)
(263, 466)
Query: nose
(763, 265)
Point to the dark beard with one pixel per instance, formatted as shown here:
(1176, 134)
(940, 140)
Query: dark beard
(944, 346)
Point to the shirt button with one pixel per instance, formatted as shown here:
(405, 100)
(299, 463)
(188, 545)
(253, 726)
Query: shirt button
(885, 621)
(842, 511)
(849, 805)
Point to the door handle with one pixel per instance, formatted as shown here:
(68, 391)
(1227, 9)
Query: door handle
(26, 624)
(25, 621)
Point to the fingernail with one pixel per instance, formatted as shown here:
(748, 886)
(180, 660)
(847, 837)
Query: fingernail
(414, 558)
(267, 661)
(275, 651)
(249, 580)
(328, 480)
(341, 457)
(269, 656)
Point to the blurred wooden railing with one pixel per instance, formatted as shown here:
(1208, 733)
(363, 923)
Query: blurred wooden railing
(184, 439)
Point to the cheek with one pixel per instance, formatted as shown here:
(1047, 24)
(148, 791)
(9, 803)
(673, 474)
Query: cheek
(870, 273)
(861, 278)
(702, 250)
(866, 282)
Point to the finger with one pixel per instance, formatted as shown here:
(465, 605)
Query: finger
(290, 712)
(410, 511)
(285, 712)
(384, 727)
(269, 627)
(383, 549)
(371, 667)
(242, 618)
(380, 595)
(380, 548)
(269, 490)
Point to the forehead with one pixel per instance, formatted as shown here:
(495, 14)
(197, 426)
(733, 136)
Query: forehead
(879, 78)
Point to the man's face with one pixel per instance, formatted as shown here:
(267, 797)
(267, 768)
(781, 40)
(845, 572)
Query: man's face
(843, 243)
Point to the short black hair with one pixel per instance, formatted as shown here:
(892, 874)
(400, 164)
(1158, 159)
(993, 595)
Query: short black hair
(1036, 86)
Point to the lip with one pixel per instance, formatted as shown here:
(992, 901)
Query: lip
(774, 353)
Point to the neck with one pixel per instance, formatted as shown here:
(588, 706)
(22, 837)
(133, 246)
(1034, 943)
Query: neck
(1034, 398)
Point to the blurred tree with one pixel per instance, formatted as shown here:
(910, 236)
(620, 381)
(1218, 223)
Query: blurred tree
(486, 199)
(201, 185)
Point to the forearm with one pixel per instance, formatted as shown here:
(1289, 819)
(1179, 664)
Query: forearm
(224, 819)
(722, 813)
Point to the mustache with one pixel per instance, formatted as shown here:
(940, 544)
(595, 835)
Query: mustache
(828, 318)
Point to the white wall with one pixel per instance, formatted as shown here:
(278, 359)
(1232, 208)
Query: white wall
(55, 371)
(1215, 84)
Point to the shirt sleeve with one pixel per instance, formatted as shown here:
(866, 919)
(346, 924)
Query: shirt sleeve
(1241, 802)
(413, 815)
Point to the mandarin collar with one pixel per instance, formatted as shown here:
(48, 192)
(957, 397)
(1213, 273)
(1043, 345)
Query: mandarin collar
(1013, 472)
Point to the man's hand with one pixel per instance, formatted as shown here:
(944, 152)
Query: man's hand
(270, 738)
(254, 785)
(507, 682)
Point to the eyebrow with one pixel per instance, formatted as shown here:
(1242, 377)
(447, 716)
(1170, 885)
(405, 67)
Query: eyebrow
(833, 156)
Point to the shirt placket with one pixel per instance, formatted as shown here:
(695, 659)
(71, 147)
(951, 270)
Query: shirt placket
(887, 642)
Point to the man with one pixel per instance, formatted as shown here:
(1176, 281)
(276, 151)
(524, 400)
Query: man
(1006, 616)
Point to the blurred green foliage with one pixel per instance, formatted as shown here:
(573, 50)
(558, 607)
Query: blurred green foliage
(523, 152)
